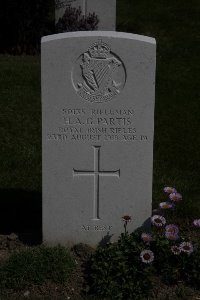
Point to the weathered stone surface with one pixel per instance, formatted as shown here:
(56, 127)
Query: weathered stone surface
(98, 116)
(104, 9)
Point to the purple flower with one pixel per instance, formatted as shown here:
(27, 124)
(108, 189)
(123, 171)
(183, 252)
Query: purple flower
(146, 237)
(176, 197)
(176, 250)
(196, 222)
(166, 205)
(172, 237)
(158, 220)
(147, 256)
(186, 247)
(169, 190)
(171, 228)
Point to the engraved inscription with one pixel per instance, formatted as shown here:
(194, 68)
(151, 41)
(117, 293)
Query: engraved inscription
(98, 75)
(85, 227)
(96, 173)
(110, 125)
(96, 227)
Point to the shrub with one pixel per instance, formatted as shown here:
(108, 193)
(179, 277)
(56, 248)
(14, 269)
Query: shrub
(117, 271)
(23, 23)
(177, 255)
(176, 267)
(73, 20)
(35, 266)
(123, 270)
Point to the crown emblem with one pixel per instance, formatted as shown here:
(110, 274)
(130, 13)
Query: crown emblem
(98, 75)
(99, 50)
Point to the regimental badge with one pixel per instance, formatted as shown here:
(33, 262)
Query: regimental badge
(98, 75)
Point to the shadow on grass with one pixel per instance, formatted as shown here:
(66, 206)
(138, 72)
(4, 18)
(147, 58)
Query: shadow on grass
(21, 213)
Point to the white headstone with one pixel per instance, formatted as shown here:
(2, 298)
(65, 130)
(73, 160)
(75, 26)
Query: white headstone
(104, 9)
(98, 120)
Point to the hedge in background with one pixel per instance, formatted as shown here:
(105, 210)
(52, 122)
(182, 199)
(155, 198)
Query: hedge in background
(73, 20)
(23, 23)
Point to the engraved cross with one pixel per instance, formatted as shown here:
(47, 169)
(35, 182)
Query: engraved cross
(96, 173)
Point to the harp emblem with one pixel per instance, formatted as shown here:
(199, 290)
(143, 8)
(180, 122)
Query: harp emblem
(101, 74)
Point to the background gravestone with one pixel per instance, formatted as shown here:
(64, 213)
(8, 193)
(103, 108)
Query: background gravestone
(98, 116)
(104, 9)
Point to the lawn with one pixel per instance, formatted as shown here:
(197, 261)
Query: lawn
(176, 27)
(20, 121)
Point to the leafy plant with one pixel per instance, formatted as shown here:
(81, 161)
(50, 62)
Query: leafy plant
(35, 266)
(176, 255)
(23, 23)
(124, 270)
(117, 271)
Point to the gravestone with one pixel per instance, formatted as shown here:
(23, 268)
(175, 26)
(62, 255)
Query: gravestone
(104, 9)
(97, 119)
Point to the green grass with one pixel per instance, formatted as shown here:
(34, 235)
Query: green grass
(20, 123)
(176, 27)
(35, 266)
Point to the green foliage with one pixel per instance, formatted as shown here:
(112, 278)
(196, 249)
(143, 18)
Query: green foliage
(23, 23)
(20, 128)
(125, 269)
(73, 20)
(175, 26)
(190, 267)
(116, 270)
(183, 262)
(35, 266)
(174, 268)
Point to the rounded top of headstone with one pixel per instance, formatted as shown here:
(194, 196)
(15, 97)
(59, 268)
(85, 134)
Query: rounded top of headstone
(109, 34)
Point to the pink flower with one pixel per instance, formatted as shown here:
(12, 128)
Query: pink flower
(126, 218)
(158, 220)
(166, 205)
(186, 247)
(169, 190)
(172, 229)
(146, 237)
(176, 250)
(196, 222)
(176, 197)
(147, 256)
(172, 237)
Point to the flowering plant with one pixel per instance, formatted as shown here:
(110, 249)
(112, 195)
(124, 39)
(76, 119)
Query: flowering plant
(173, 253)
(136, 256)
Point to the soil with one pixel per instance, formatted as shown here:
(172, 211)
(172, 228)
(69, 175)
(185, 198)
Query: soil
(73, 288)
